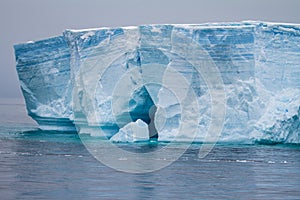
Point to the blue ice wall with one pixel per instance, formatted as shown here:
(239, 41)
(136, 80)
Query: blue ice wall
(44, 72)
(108, 77)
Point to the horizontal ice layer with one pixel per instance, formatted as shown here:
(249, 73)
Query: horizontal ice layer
(117, 75)
(277, 48)
(44, 73)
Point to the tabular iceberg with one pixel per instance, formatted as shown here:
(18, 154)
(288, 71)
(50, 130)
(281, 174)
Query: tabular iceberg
(183, 82)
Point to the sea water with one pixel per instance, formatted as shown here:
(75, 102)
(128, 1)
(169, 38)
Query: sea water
(37, 164)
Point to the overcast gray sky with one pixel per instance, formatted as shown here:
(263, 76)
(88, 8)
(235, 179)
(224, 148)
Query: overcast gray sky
(24, 20)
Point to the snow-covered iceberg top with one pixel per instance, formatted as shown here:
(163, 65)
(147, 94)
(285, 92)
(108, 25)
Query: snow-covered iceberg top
(231, 82)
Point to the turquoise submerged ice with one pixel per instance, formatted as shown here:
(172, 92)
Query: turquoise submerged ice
(112, 77)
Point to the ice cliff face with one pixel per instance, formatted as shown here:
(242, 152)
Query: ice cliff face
(173, 82)
(44, 73)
